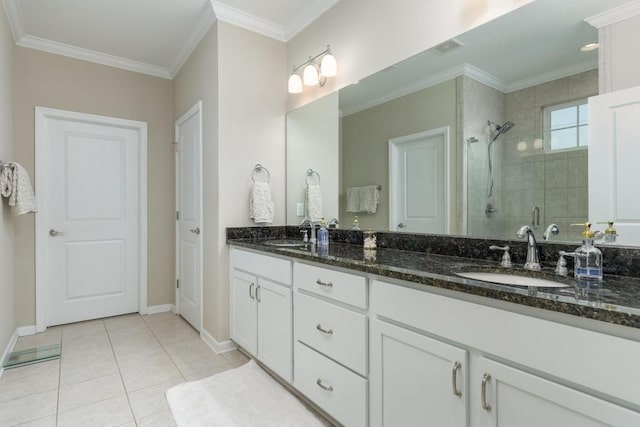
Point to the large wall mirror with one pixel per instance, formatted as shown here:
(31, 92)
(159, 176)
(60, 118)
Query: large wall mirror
(477, 136)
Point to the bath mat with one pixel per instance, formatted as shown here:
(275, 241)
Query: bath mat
(245, 396)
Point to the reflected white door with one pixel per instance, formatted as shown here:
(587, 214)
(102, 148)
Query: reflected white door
(88, 228)
(613, 162)
(419, 187)
(189, 214)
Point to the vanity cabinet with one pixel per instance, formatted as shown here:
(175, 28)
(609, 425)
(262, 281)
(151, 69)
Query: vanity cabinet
(418, 380)
(331, 344)
(261, 309)
(434, 360)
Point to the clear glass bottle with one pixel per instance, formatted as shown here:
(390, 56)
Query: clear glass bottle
(588, 258)
(323, 235)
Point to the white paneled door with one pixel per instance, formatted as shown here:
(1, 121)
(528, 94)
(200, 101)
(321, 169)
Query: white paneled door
(419, 185)
(90, 238)
(189, 215)
(614, 151)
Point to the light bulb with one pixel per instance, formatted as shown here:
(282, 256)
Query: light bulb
(310, 75)
(295, 84)
(328, 66)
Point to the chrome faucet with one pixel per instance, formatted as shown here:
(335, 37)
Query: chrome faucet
(306, 222)
(333, 223)
(533, 255)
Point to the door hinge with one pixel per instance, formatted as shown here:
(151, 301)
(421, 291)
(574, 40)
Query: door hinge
(177, 215)
(178, 283)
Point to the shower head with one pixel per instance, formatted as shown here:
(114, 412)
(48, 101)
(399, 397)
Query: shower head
(501, 129)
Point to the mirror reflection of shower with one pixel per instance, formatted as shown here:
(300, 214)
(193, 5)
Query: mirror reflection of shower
(499, 130)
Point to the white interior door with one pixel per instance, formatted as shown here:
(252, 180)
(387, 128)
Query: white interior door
(613, 162)
(419, 187)
(88, 241)
(189, 215)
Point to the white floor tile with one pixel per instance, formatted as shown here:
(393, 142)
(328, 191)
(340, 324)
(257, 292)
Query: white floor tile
(208, 372)
(151, 400)
(128, 321)
(235, 357)
(49, 421)
(49, 337)
(160, 419)
(28, 408)
(17, 387)
(154, 374)
(88, 392)
(81, 329)
(200, 361)
(87, 369)
(111, 412)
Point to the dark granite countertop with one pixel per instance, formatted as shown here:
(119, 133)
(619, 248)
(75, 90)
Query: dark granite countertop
(616, 300)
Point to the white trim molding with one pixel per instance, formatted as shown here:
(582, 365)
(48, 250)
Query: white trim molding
(10, 346)
(24, 331)
(247, 21)
(614, 15)
(217, 346)
(163, 308)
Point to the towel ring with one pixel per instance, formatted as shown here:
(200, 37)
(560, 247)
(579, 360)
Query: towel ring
(310, 176)
(257, 170)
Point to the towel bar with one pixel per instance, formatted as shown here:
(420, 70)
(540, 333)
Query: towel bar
(258, 169)
(310, 174)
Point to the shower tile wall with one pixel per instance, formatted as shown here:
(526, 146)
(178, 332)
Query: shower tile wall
(556, 183)
(476, 104)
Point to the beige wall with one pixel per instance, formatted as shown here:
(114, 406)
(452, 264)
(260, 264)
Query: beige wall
(245, 74)
(54, 81)
(367, 36)
(365, 144)
(198, 81)
(7, 257)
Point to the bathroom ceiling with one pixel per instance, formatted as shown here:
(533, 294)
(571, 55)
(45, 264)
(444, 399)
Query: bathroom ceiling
(149, 36)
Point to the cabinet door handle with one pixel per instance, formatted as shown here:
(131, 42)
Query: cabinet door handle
(258, 293)
(323, 330)
(485, 379)
(250, 289)
(327, 284)
(454, 379)
(322, 386)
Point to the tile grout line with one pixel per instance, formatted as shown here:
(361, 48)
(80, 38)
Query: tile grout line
(165, 349)
(126, 392)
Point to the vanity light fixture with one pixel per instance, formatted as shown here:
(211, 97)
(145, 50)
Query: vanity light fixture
(315, 73)
(589, 47)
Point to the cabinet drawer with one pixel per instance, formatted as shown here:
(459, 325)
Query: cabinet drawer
(346, 397)
(344, 287)
(272, 268)
(337, 332)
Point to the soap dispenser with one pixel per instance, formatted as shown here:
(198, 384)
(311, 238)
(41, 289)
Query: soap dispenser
(610, 233)
(588, 258)
(323, 234)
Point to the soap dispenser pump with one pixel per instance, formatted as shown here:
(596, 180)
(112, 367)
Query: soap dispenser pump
(588, 258)
(323, 234)
(610, 233)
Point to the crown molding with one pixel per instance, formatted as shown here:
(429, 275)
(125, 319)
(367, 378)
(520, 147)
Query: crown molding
(92, 56)
(205, 20)
(303, 20)
(553, 75)
(246, 20)
(461, 70)
(14, 17)
(614, 15)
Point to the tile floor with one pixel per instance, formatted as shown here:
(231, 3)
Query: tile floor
(113, 372)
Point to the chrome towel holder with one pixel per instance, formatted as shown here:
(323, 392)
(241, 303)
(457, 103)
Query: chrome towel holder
(311, 174)
(259, 170)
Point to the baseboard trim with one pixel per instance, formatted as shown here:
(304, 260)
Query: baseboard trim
(163, 308)
(217, 346)
(26, 330)
(10, 345)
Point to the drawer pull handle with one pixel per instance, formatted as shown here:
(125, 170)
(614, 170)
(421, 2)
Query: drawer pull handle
(327, 284)
(323, 330)
(250, 291)
(454, 379)
(485, 379)
(322, 386)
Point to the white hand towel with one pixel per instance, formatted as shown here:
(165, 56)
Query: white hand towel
(314, 202)
(6, 181)
(368, 199)
(21, 195)
(260, 203)
(353, 199)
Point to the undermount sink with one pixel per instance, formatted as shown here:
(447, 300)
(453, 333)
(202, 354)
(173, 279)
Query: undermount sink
(513, 279)
(287, 243)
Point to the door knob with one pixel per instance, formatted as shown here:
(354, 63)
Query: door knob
(195, 230)
(401, 225)
(53, 232)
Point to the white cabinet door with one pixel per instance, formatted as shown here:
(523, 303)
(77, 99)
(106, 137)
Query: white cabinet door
(516, 398)
(416, 380)
(613, 162)
(274, 327)
(244, 314)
